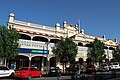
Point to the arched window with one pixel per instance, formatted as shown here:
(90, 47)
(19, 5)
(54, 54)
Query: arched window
(89, 45)
(37, 38)
(111, 48)
(106, 47)
(54, 40)
(80, 44)
(24, 36)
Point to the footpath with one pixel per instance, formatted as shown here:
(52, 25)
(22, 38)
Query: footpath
(99, 77)
(118, 78)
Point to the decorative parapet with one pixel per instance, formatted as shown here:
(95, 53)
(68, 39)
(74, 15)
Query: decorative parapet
(33, 25)
(110, 43)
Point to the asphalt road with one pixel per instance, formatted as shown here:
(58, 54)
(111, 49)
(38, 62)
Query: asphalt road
(44, 78)
(99, 75)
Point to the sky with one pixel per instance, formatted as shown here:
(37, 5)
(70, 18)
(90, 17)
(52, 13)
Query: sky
(97, 17)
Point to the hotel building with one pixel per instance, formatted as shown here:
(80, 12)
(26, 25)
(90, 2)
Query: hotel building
(37, 42)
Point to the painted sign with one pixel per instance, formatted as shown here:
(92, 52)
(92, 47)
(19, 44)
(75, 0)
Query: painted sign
(33, 51)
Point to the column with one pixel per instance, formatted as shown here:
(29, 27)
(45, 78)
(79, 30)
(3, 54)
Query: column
(48, 63)
(47, 48)
(29, 61)
(42, 66)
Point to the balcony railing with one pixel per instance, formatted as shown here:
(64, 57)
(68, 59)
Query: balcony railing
(34, 44)
(43, 45)
(33, 25)
(81, 48)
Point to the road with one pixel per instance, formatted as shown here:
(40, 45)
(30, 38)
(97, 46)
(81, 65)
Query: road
(101, 75)
(45, 78)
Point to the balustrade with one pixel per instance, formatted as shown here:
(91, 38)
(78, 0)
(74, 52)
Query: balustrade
(33, 25)
(34, 44)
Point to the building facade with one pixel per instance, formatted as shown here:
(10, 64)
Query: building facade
(37, 42)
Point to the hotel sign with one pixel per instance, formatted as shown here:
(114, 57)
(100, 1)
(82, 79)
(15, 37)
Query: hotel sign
(33, 51)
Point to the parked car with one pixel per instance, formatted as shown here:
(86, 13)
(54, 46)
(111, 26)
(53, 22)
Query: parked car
(115, 66)
(27, 73)
(59, 69)
(104, 67)
(90, 69)
(54, 71)
(6, 72)
(73, 69)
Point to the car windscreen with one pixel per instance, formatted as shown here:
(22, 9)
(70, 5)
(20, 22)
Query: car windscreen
(23, 68)
(53, 69)
(103, 64)
(115, 63)
(3, 68)
(73, 66)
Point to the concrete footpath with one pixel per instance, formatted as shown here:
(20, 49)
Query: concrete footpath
(99, 77)
(118, 78)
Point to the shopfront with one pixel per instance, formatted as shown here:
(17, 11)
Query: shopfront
(31, 57)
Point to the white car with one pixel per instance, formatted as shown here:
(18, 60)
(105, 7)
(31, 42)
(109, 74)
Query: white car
(6, 72)
(115, 66)
(104, 67)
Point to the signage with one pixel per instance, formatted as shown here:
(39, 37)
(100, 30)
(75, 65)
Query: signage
(33, 51)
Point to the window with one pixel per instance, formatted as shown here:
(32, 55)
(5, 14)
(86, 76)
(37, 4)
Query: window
(33, 69)
(24, 68)
(3, 68)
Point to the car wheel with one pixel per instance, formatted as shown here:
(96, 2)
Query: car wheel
(29, 77)
(12, 75)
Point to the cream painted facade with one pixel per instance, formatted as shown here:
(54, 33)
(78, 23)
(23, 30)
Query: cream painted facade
(34, 30)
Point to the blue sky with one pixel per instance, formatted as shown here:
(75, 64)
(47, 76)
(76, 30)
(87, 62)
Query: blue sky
(97, 17)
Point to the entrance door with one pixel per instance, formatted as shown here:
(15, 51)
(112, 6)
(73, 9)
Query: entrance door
(53, 62)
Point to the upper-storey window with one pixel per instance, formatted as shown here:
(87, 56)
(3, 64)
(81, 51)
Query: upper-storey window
(106, 47)
(38, 38)
(54, 40)
(111, 48)
(24, 36)
(89, 45)
(80, 44)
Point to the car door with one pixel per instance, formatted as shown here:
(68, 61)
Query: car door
(4, 71)
(33, 72)
(1, 71)
(36, 72)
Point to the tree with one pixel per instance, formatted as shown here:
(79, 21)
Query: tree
(98, 52)
(8, 43)
(116, 53)
(67, 50)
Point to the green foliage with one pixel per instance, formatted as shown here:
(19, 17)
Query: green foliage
(8, 42)
(98, 52)
(67, 50)
(116, 54)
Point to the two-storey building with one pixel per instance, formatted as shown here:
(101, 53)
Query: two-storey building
(38, 41)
